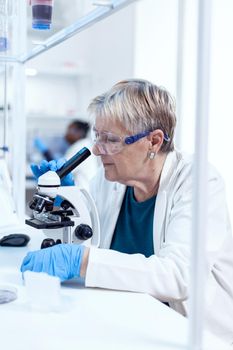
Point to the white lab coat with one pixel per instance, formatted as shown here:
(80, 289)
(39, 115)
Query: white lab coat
(87, 169)
(165, 275)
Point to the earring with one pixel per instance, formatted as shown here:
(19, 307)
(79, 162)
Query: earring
(151, 155)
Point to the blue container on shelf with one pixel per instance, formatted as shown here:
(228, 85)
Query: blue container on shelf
(42, 14)
(4, 43)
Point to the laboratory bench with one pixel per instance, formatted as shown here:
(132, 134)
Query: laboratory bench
(90, 318)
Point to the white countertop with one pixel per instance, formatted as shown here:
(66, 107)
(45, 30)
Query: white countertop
(89, 318)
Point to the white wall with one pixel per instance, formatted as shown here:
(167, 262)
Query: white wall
(53, 96)
(156, 60)
(221, 112)
(155, 42)
(221, 74)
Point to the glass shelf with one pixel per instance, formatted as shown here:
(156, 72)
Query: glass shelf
(86, 13)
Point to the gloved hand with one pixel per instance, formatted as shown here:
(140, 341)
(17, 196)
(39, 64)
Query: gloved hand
(61, 260)
(53, 165)
(39, 144)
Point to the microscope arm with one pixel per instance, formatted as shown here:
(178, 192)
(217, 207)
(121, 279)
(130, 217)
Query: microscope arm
(80, 199)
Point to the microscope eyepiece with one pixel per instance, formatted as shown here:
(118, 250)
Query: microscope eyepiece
(73, 162)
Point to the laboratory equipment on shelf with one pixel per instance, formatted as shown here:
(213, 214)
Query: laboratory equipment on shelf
(75, 220)
(41, 14)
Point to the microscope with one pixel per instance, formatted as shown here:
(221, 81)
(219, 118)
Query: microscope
(75, 219)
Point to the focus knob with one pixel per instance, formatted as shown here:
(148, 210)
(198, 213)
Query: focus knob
(83, 232)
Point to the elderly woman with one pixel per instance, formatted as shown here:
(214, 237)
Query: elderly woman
(143, 194)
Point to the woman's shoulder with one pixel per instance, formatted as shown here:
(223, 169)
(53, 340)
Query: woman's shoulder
(187, 161)
(184, 167)
(179, 168)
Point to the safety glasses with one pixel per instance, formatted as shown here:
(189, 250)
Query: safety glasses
(110, 143)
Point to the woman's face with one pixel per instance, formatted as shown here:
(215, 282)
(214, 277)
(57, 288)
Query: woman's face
(131, 163)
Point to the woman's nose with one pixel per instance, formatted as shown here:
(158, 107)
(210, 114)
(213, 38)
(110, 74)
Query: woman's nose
(98, 150)
(95, 150)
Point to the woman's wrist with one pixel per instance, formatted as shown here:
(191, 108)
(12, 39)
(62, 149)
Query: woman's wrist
(84, 264)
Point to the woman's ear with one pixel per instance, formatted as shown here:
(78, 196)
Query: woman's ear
(156, 138)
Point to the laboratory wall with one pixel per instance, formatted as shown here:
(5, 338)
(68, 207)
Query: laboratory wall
(156, 59)
(220, 104)
(155, 42)
(221, 113)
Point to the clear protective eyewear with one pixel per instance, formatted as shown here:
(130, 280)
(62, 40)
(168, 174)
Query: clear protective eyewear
(110, 143)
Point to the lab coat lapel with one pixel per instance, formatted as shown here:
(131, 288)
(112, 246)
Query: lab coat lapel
(113, 213)
(159, 216)
(168, 173)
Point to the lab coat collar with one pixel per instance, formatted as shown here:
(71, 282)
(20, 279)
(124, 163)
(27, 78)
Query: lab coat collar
(170, 169)
(169, 173)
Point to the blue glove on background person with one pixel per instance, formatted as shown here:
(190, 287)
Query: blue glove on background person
(43, 148)
(62, 260)
(53, 165)
(40, 145)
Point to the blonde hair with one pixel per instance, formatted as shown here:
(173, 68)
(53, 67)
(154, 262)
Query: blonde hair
(139, 106)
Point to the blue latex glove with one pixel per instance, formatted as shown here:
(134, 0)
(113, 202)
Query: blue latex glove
(61, 260)
(53, 165)
(39, 144)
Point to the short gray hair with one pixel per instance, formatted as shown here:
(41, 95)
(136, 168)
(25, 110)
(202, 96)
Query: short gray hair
(139, 106)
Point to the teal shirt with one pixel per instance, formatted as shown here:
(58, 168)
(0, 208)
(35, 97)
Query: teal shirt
(134, 228)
